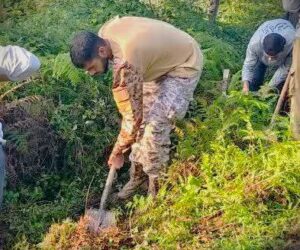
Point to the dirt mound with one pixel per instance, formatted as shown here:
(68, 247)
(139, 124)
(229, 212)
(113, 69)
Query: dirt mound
(32, 144)
(74, 236)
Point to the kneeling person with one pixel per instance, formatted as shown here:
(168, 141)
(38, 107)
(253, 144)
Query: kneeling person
(156, 68)
(271, 45)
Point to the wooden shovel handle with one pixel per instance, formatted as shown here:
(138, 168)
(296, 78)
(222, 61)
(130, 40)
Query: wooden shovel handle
(107, 188)
(281, 99)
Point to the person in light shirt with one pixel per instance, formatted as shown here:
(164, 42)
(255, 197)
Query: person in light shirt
(16, 63)
(270, 46)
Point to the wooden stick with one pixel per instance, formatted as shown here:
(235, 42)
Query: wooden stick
(281, 99)
(213, 10)
(225, 81)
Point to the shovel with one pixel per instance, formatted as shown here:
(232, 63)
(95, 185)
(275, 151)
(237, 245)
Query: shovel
(101, 218)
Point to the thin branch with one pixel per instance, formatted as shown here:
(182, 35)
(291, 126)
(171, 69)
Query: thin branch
(87, 194)
(13, 89)
(282, 97)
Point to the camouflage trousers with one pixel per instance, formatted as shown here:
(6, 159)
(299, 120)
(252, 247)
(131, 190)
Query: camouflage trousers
(164, 101)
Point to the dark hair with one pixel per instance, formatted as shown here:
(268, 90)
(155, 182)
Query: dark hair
(84, 47)
(273, 44)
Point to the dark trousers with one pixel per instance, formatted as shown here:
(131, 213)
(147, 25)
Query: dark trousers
(259, 76)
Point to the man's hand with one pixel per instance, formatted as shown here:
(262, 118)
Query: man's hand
(116, 161)
(246, 87)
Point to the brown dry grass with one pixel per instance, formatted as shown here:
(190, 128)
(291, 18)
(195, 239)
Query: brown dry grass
(213, 226)
(109, 238)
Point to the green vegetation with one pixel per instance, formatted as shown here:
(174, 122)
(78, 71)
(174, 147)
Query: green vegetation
(232, 184)
(232, 187)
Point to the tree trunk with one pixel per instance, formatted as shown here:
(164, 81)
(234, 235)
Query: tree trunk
(213, 10)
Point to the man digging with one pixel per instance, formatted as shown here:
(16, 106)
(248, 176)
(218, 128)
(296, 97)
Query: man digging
(156, 68)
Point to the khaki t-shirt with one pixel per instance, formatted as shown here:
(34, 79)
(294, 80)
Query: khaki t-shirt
(154, 47)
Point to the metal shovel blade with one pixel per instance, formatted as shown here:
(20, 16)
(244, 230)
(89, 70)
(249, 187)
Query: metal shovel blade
(101, 218)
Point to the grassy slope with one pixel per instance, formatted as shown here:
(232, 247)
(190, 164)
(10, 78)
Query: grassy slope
(229, 187)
